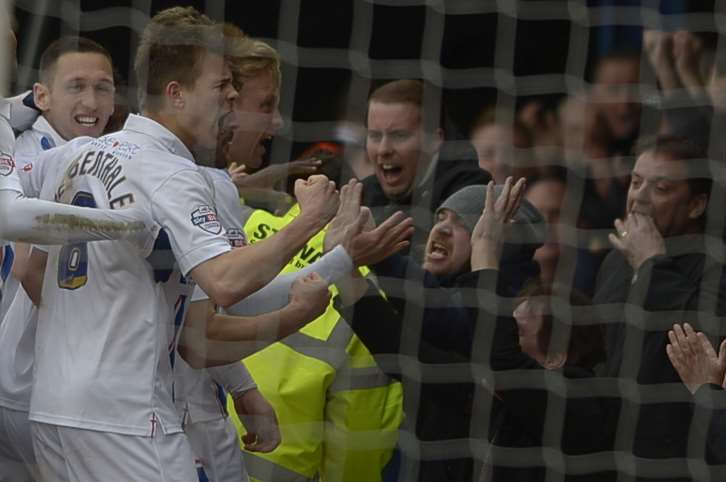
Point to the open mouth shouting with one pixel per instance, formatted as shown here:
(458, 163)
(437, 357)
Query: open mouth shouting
(391, 172)
(437, 251)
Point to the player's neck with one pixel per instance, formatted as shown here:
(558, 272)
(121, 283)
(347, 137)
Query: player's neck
(171, 122)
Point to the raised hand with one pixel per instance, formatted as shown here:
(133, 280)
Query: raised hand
(687, 52)
(270, 176)
(694, 358)
(343, 226)
(659, 48)
(637, 238)
(489, 233)
(374, 245)
(318, 198)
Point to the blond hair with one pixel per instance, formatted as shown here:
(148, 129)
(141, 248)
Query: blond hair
(249, 57)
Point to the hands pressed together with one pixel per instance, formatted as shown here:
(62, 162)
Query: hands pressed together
(693, 357)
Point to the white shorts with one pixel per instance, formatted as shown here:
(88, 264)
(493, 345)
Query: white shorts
(17, 460)
(67, 454)
(217, 449)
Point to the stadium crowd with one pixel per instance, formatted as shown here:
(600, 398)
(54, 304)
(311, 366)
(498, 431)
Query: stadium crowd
(539, 302)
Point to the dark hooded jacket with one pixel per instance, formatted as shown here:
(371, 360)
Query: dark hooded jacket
(426, 333)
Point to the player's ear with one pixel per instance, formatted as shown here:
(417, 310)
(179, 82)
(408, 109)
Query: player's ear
(175, 94)
(41, 96)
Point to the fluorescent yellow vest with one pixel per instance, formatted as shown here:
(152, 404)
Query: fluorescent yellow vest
(339, 414)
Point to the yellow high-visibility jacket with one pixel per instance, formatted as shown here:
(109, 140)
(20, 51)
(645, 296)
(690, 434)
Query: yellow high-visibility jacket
(339, 414)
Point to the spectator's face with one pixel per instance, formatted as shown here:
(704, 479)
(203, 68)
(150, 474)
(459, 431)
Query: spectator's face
(494, 148)
(80, 97)
(448, 248)
(257, 118)
(658, 188)
(616, 97)
(547, 196)
(528, 316)
(397, 146)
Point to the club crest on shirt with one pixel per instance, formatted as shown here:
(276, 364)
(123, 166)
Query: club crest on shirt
(7, 165)
(236, 238)
(205, 217)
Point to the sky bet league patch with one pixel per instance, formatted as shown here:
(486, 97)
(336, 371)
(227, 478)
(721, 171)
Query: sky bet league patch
(205, 218)
(7, 165)
(237, 238)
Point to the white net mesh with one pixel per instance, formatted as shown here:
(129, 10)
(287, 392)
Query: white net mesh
(534, 64)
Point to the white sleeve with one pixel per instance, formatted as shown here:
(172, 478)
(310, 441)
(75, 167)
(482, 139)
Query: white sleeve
(33, 170)
(234, 378)
(22, 117)
(275, 295)
(183, 207)
(45, 222)
(198, 294)
(31, 174)
(8, 174)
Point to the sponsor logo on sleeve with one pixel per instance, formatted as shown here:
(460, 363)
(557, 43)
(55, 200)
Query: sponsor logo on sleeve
(7, 165)
(236, 238)
(205, 217)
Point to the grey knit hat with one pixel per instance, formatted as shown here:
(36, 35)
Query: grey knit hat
(468, 203)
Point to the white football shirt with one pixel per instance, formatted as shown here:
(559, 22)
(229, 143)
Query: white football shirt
(103, 337)
(199, 393)
(8, 175)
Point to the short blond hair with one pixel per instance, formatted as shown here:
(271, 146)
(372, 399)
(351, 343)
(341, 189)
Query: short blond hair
(248, 57)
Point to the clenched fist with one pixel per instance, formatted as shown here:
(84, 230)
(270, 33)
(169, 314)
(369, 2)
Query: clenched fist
(318, 198)
(309, 295)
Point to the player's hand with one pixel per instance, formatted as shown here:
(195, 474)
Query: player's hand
(260, 421)
(318, 199)
(368, 247)
(237, 172)
(694, 358)
(270, 176)
(489, 233)
(637, 238)
(309, 296)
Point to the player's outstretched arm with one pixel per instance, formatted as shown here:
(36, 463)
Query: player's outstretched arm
(235, 275)
(241, 336)
(45, 222)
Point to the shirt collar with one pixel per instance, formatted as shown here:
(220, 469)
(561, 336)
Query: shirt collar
(149, 127)
(42, 126)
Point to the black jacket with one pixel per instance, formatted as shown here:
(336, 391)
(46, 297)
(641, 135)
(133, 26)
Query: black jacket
(428, 334)
(655, 417)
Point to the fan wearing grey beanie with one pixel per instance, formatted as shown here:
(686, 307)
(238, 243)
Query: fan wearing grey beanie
(428, 312)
